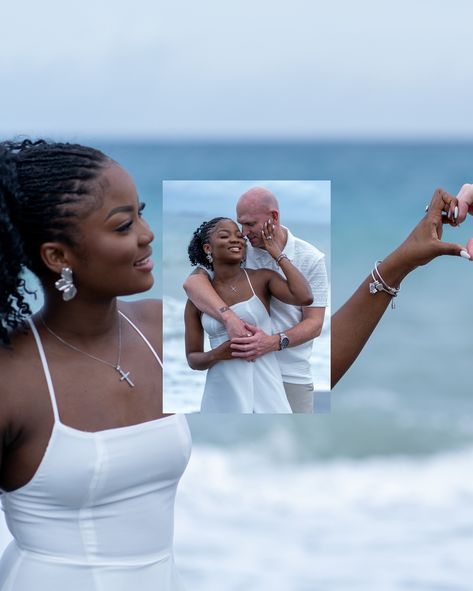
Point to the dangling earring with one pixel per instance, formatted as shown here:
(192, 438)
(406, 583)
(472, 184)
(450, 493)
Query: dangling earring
(209, 258)
(66, 284)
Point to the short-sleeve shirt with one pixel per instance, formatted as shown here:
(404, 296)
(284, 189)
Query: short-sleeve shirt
(294, 361)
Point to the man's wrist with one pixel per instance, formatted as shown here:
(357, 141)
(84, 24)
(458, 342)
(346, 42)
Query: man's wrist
(275, 342)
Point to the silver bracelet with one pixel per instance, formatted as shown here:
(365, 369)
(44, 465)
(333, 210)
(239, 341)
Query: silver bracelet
(281, 257)
(379, 284)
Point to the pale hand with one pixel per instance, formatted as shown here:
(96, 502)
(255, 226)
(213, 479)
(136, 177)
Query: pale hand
(256, 344)
(465, 206)
(234, 326)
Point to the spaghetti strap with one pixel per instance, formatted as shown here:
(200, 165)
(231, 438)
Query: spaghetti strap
(253, 291)
(150, 346)
(47, 373)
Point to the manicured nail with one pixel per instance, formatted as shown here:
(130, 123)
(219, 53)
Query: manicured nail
(455, 215)
(465, 255)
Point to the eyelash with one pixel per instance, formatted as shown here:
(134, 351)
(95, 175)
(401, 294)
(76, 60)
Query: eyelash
(224, 237)
(127, 225)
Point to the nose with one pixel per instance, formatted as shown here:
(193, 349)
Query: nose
(146, 235)
(244, 231)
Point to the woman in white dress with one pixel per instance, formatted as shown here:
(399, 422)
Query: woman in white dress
(235, 385)
(89, 464)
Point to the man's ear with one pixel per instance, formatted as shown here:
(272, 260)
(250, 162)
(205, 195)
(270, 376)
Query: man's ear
(275, 215)
(54, 255)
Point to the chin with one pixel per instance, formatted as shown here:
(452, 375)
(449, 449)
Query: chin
(138, 286)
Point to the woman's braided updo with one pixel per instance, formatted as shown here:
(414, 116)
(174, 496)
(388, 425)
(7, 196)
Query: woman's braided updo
(195, 249)
(41, 184)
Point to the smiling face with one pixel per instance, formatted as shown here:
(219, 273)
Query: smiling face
(226, 243)
(113, 256)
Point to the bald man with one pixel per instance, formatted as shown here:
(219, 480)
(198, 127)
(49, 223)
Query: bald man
(294, 327)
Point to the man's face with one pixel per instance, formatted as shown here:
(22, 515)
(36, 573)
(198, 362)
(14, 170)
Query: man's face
(252, 224)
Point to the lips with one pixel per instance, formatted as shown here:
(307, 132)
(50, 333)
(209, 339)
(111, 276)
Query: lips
(145, 262)
(235, 249)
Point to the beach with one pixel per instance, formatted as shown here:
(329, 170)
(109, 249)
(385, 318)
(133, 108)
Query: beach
(377, 494)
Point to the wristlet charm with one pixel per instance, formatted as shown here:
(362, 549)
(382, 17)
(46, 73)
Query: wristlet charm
(378, 284)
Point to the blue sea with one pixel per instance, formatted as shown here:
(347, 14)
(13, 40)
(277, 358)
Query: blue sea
(378, 494)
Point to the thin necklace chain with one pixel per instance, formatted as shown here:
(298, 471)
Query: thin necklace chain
(116, 366)
(233, 287)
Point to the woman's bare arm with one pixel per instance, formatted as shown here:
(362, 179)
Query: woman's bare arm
(354, 322)
(197, 358)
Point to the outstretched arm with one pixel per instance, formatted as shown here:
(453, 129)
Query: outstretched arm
(354, 322)
(204, 297)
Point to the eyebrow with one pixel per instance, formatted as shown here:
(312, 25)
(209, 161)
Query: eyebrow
(122, 208)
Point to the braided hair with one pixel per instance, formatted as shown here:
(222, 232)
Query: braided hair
(41, 184)
(195, 249)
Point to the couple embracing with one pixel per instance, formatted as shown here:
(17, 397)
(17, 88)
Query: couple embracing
(260, 294)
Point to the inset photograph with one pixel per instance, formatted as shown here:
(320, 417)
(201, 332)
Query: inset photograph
(246, 296)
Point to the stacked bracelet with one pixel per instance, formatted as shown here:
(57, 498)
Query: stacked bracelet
(281, 257)
(379, 284)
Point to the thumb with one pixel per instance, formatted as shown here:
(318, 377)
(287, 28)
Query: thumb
(449, 248)
(251, 327)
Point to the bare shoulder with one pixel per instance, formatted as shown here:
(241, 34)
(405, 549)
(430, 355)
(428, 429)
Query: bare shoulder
(17, 352)
(147, 315)
(148, 311)
(19, 366)
(261, 275)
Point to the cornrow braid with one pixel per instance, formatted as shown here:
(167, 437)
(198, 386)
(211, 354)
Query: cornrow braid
(41, 184)
(195, 249)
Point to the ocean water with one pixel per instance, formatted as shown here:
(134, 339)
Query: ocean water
(378, 494)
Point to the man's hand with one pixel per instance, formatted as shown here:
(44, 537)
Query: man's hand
(256, 344)
(234, 326)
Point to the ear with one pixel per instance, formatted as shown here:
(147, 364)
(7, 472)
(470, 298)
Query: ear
(55, 256)
(207, 248)
(275, 215)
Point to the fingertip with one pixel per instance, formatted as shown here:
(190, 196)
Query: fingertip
(462, 212)
(469, 247)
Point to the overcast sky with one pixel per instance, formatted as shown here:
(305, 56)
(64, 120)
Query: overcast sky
(237, 69)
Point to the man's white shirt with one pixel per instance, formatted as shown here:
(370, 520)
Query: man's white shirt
(310, 261)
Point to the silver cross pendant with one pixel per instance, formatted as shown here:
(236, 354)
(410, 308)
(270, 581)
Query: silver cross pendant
(124, 376)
